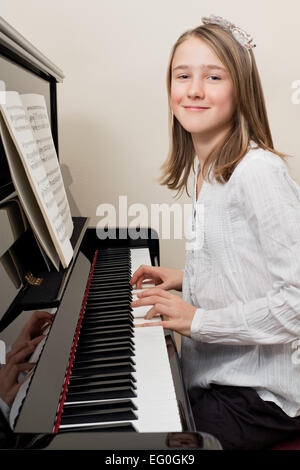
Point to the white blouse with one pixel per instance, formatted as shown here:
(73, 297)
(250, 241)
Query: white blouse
(244, 276)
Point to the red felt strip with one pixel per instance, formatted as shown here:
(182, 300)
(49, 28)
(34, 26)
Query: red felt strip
(69, 369)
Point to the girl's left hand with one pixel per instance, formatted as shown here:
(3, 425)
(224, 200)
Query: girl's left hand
(34, 327)
(177, 314)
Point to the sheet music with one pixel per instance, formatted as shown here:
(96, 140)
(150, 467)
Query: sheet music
(26, 196)
(21, 133)
(36, 109)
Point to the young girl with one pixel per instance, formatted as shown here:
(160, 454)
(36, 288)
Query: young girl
(240, 311)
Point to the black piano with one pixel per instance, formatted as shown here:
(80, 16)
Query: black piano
(95, 384)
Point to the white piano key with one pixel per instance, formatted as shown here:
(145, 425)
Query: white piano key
(139, 256)
(156, 398)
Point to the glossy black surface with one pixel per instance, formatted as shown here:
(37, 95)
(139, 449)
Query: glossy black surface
(127, 440)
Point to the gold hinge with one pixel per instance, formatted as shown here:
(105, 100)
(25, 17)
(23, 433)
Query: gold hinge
(32, 280)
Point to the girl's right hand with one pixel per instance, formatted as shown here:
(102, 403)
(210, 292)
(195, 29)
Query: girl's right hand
(164, 277)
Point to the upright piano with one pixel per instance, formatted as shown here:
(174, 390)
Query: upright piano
(99, 382)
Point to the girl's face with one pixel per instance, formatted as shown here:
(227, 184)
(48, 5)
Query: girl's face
(201, 90)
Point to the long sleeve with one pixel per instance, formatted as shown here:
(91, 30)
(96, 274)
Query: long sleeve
(5, 409)
(270, 200)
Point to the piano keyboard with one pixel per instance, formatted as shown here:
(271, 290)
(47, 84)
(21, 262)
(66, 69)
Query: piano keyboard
(120, 377)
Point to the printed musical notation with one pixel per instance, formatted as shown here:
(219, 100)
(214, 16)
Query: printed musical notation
(36, 110)
(38, 178)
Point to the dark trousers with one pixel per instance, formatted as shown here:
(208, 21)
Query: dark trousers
(240, 419)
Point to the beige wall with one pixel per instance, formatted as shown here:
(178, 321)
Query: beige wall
(113, 104)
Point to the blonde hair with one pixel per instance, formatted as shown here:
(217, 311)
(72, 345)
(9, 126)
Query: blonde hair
(250, 120)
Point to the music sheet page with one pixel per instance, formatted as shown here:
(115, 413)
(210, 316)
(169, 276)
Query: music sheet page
(36, 109)
(22, 136)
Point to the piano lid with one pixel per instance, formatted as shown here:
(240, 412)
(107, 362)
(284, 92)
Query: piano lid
(11, 39)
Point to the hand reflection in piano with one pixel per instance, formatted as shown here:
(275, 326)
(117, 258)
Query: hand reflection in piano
(35, 327)
(177, 313)
(17, 358)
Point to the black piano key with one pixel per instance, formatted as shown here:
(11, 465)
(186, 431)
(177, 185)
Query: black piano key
(113, 263)
(108, 298)
(97, 412)
(120, 274)
(101, 267)
(98, 349)
(98, 316)
(94, 314)
(108, 326)
(103, 294)
(107, 306)
(106, 316)
(99, 379)
(114, 314)
(111, 267)
(112, 254)
(110, 368)
(90, 332)
(108, 279)
(127, 326)
(94, 352)
(82, 359)
(118, 252)
(99, 386)
(109, 285)
(113, 271)
(111, 427)
(101, 362)
(113, 258)
(117, 333)
(87, 408)
(105, 393)
(103, 352)
(94, 319)
(107, 375)
(110, 288)
(101, 342)
(123, 286)
(87, 320)
(119, 322)
(121, 270)
(124, 275)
